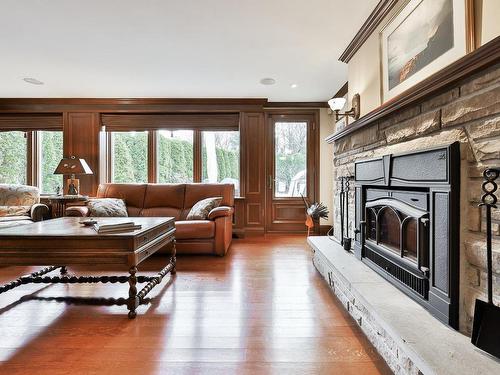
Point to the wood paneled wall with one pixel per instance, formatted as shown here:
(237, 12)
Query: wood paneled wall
(82, 119)
(252, 132)
(81, 139)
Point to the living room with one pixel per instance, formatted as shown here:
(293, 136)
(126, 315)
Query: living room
(254, 187)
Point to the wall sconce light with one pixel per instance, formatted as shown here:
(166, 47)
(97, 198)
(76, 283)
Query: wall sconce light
(336, 104)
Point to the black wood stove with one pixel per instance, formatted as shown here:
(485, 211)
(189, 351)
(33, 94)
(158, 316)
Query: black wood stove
(407, 220)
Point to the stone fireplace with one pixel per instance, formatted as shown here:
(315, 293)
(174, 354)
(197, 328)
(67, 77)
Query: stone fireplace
(406, 220)
(415, 221)
(466, 112)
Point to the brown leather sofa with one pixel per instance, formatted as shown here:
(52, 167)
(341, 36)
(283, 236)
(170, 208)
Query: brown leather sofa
(212, 236)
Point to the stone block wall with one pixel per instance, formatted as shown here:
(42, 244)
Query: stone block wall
(468, 112)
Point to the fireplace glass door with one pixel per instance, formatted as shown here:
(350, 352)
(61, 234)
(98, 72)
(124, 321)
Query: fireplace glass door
(397, 228)
(389, 229)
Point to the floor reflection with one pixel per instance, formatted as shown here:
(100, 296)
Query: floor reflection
(262, 309)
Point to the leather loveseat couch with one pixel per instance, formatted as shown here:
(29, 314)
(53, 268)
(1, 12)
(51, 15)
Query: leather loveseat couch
(212, 236)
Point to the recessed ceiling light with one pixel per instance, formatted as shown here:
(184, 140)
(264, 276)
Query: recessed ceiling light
(267, 81)
(33, 81)
(294, 85)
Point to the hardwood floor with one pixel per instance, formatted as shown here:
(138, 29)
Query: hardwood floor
(263, 309)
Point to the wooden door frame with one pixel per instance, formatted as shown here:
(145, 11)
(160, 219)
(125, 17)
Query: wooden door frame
(313, 166)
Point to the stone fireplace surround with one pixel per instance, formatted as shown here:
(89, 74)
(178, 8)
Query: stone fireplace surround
(468, 112)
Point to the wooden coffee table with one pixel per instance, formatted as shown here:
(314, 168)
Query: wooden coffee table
(63, 242)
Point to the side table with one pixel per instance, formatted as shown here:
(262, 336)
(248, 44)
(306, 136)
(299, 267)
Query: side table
(59, 203)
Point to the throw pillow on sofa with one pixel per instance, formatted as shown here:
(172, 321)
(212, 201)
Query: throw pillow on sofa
(202, 208)
(107, 207)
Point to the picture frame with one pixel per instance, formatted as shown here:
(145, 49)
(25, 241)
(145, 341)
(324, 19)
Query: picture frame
(423, 37)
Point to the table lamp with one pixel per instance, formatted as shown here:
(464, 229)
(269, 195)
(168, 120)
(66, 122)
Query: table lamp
(73, 166)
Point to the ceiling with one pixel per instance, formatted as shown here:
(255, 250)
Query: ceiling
(177, 48)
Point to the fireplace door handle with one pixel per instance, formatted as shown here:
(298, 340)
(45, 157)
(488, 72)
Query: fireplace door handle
(424, 221)
(360, 228)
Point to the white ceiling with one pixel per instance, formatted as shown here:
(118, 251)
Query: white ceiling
(177, 48)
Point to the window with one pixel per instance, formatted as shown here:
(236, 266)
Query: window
(50, 154)
(129, 156)
(221, 158)
(290, 147)
(30, 158)
(175, 156)
(13, 157)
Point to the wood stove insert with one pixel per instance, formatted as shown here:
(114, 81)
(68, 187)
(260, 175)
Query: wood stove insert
(407, 209)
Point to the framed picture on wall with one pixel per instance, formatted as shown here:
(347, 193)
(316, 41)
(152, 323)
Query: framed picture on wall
(421, 39)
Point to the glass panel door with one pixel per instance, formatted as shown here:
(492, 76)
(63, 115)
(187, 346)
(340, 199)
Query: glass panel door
(290, 159)
(290, 171)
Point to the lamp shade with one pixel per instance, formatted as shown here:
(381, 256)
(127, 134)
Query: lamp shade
(74, 166)
(336, 104)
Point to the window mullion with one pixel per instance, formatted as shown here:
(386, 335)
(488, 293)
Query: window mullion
(33, 159)
(197, 156)
(152, 156)
(109, 157)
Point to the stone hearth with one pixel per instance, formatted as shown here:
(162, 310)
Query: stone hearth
(398, 327)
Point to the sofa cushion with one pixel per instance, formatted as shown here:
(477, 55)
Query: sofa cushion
(107, 207)
(14, 218)
(18, 195)
(162, 211)
(14, 221)
(15, 211)
(188, 229)
(202, 208)
(165, 195)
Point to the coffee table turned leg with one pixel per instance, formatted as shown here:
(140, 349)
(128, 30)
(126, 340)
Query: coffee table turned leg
(173, 259)
(133, 300)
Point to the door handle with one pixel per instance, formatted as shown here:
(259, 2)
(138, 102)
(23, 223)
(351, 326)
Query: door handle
(270, 182)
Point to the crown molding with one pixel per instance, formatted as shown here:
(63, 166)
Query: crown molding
(480, 59)
(374, 19)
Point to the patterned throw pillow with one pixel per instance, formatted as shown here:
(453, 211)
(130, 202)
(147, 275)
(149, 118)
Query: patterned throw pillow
(107, 207)
(14, 211)
(202, 208)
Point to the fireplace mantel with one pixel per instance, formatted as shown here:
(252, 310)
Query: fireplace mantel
(480, 59)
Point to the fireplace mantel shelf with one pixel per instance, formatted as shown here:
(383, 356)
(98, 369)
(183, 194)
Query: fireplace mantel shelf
(481, 58)
(409, 325)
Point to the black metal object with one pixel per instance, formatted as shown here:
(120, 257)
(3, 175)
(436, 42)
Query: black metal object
(345, 240)
(486, 327)
(135, 298)
(423, 188)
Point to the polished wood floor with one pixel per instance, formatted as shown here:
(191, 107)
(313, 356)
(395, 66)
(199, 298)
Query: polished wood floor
(263, 309)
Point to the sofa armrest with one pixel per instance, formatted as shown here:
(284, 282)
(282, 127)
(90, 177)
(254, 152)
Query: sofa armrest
(78, 211)
(39, 211)
(220, 212)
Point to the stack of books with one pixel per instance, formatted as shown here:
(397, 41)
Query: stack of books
(117, 227)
